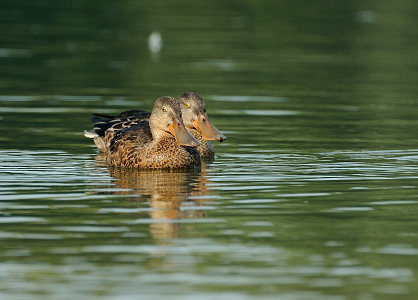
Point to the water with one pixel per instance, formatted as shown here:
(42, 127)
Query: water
(313, 196)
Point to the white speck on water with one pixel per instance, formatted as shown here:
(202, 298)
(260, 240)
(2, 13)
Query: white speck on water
(155, 42)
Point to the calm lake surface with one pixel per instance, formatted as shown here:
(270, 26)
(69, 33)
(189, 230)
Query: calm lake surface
(313, 196)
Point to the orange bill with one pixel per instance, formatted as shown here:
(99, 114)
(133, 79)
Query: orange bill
(183, 137)
(208, 131)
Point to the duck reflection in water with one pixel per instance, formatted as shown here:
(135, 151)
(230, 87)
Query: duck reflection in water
(169, 192)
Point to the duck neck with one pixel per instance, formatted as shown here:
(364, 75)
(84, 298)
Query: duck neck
(196, 133)
(158, 134)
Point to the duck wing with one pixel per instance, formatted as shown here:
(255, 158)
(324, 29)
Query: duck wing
(104, 123)
(138, 136)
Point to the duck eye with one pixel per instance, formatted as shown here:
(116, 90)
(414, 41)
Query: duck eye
(164, 110)
(187, 105)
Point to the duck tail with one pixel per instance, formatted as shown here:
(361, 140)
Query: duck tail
(100, 143)
(90, 134)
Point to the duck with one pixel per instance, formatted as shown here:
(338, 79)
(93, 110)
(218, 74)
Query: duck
(197, 122)
(159, 142)
(195, 119)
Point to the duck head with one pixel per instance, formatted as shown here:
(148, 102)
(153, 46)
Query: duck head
(166, 117)
(194, 116)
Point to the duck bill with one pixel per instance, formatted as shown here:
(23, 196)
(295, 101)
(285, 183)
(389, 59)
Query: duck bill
(208, 131)
(183, 137)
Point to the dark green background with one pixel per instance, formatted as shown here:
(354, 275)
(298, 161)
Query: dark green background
(313, 196)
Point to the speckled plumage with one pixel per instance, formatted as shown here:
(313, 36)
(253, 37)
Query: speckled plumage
(206, 149)
(147, 144)
(130, 150)
(106, 126)
(191, 105)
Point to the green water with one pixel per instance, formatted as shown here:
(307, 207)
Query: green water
(313, 196)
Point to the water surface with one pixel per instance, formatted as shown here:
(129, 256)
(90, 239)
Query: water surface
(313, 195)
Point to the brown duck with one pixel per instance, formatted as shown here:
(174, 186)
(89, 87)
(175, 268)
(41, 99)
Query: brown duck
(197, 122)
(162, 142)
(195, 118)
